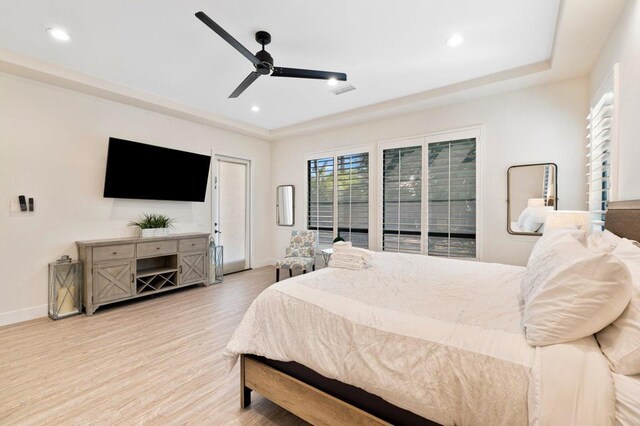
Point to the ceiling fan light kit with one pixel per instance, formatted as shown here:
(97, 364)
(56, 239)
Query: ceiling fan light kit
(263, 61)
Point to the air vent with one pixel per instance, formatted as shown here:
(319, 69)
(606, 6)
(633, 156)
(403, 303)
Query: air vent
(343, 89)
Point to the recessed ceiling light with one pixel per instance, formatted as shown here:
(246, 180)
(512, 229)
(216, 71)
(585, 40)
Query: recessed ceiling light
(455, 40)
(255, 108)
(332, 81)
(59, 34)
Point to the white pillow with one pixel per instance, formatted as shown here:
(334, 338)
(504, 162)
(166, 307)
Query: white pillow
(603, 241)
(620, 341)
(532, 218)
(570, 291)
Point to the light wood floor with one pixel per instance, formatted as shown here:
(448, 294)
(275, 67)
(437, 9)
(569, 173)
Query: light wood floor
(155, 361)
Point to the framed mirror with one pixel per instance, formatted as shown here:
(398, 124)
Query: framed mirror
(532, 191)
(285, 205)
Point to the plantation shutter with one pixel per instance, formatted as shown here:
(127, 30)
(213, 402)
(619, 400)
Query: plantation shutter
(320, 175)
(599, 158)
(402, 199)
(452, 198)
(353, 198)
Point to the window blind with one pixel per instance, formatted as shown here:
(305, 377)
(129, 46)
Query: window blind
(353, 198)
(320, 184)
(599, 158)
(452, 198)
(402, 199)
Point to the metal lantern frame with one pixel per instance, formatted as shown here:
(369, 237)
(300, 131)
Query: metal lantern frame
(65, 288)
(216, 256)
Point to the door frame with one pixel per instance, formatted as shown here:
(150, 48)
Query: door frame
(215, 204)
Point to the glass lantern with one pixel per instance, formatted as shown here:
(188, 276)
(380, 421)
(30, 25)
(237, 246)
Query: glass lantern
(215, 258)
(65, 288)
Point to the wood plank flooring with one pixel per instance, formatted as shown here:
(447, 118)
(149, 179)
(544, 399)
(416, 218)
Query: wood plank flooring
(153, 361)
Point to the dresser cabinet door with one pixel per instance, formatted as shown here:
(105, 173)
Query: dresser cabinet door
(193, 268)
(112, 281)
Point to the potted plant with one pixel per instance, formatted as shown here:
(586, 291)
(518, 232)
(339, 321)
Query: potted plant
(153, 225)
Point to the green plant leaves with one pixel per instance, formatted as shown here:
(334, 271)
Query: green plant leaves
(152, 220)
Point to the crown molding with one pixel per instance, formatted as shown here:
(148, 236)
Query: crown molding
(407, 104)
(45, 72)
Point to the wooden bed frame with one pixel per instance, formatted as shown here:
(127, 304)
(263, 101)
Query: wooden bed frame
(320, 408)
(303, 400)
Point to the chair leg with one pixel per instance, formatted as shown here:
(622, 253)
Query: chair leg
(290, 273)
(277, 274)
(313, 267)
(304, 271)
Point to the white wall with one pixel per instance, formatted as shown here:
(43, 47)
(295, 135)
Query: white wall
(534, 125)
(623, 47)
(53, 147)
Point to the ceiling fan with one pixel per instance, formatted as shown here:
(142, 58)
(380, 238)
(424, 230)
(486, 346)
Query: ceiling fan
(262, 61)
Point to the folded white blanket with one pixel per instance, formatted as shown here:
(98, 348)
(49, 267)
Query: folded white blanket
(348, 257)
(346, 264)
(346, 248)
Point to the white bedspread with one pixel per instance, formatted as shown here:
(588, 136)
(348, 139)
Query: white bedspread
(441, 338)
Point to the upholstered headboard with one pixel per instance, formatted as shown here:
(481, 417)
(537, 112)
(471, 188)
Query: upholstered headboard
(623, 219)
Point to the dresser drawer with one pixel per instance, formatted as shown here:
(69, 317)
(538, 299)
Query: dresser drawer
(194, 244)
(155, 248)
(115, 252)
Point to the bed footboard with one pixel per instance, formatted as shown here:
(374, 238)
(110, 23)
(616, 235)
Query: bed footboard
(303, 400)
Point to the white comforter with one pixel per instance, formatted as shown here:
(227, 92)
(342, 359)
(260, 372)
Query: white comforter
(441, 338)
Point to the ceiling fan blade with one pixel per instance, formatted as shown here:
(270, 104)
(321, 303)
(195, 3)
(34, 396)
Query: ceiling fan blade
(300, 73)
(245, 83)
(228, 38)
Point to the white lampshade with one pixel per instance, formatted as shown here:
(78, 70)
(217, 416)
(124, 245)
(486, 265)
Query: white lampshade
(558, 219)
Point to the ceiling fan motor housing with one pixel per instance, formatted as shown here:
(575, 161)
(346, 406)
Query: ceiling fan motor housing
(267, 62)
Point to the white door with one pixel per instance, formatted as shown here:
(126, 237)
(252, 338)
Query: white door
(232, 212)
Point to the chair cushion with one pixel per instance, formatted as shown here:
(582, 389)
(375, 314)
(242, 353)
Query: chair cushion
(299, 252)
(303, 241)
(296, 263)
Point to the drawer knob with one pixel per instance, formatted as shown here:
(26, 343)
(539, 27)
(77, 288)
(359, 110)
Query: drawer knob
(193, 244)
(157, 248)
(114, 253)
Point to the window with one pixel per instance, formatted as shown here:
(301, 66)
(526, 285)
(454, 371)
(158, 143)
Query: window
(338, 198)
(447, 174)
(320, 198)
(452, 198)
(599, 157)
(402, 199)
(353, 199)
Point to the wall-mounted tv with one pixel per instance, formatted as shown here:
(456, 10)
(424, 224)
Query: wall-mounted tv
(140, 171)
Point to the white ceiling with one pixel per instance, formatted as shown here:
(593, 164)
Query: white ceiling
(389, 49)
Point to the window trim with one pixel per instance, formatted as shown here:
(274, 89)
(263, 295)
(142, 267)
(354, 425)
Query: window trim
(335, 153)
(475, 132)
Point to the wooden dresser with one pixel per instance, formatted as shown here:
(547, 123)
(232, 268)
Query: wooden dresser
(125, 268)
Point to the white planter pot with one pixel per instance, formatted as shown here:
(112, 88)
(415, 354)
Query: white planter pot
(154, 232)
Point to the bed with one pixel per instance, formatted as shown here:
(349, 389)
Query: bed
(416, 340)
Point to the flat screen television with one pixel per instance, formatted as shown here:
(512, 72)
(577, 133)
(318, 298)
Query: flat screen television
(140, 171)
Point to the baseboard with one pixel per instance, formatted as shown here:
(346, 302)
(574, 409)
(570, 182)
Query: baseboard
(25, 314)
(262, 263)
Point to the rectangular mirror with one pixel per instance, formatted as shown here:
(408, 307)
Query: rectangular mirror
(532, 191)
(284, 205)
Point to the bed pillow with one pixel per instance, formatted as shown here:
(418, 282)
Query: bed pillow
(620, 341)
(603, 240)
(532, 218)
(569, 291)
